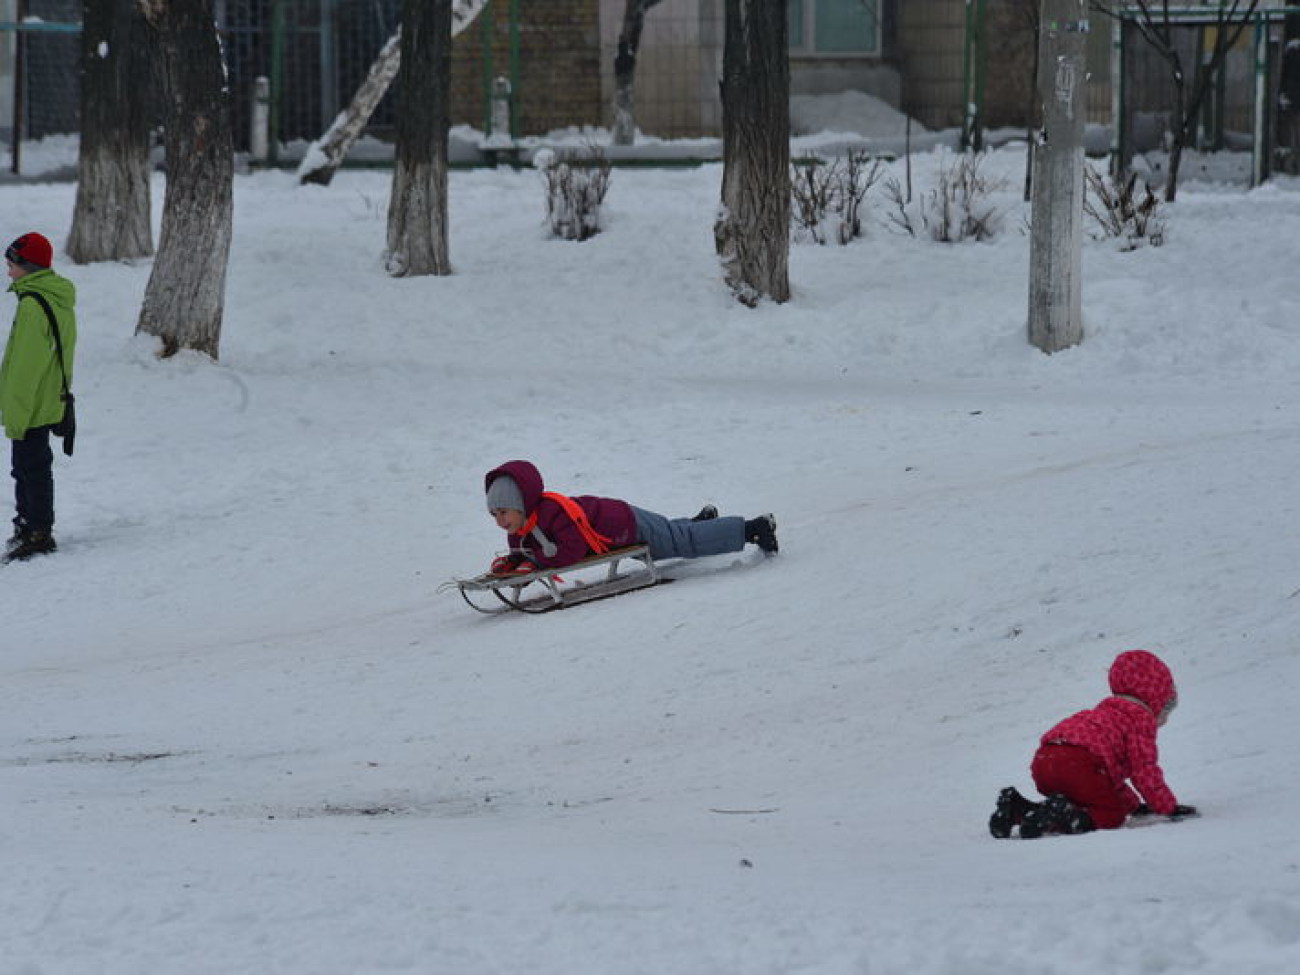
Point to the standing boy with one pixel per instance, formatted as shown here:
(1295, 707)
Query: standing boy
(32, 381)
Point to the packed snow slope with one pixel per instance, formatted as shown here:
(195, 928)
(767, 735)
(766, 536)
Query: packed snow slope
(240, 731)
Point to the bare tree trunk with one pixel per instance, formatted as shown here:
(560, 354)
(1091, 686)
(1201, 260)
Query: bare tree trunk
(185, 297)
(111, 220)
(326, 154)
(417, 209)
(1182, 139)
(629, 43)
(752, 232)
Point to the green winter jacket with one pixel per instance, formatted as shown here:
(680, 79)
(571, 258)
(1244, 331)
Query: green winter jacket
(31, 385)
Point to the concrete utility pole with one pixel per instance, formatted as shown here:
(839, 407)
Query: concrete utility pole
(1055, 253)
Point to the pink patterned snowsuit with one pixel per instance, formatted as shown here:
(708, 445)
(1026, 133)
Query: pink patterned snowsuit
(1092, 756)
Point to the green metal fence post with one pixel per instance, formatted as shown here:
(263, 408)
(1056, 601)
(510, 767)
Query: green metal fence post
(486, 18)
(966, 55)
(1118, 138)
(514, 69)
(972, 81)
(277, 81)
(1260, 145)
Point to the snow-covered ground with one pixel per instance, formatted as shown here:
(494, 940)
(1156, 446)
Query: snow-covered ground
(241, 732)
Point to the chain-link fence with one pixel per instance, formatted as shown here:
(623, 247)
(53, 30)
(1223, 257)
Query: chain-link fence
(38, 56)
(313, 52)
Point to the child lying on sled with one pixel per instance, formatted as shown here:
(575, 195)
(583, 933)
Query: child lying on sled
(1085, 764)
(549, 530)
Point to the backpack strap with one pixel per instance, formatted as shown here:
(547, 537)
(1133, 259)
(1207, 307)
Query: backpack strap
(597, 542)
(58, 339)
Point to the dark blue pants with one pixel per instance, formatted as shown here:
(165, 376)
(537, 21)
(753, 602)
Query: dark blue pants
(33, 471)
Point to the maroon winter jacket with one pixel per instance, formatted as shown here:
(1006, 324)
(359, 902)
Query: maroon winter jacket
(1121, 730)
(556, 540)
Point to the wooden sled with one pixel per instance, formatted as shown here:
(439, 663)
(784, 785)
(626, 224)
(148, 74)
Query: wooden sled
(548, 589)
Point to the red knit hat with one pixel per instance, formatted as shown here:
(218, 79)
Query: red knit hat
(31, 249)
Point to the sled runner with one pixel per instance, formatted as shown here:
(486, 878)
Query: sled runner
(548, 589)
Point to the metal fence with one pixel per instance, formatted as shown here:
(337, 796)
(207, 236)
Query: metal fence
(1245, 108)
(316, 52)
(40, 59)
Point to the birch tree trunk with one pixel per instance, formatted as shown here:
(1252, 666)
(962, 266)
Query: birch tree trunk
(111, 220)
(326, 154)
(629, 43)
(417, 208)
(752, 232)
(185, 297)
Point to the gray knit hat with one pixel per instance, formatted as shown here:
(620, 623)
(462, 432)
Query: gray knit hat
(504, 492)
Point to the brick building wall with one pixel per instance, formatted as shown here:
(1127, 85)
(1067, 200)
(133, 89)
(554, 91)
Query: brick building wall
(555, 76)
(931, 34)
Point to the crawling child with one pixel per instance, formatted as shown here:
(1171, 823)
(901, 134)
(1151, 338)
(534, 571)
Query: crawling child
(1100, 766)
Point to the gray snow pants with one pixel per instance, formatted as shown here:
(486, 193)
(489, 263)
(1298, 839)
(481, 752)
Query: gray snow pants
(681, 538)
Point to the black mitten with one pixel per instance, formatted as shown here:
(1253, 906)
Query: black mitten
(1182, 812)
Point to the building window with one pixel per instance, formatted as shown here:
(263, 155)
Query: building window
(835, 27)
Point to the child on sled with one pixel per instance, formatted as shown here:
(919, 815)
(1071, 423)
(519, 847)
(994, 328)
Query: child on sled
(549, 530)
(1100, 766)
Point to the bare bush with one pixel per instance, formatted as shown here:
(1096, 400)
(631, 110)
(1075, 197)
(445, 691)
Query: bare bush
(861, 172)
(576, 184)
(827, 196)
(812, 197)
(1120, 210)
(957, 209)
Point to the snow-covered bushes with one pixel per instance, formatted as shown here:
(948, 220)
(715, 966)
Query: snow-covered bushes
(1121, 211)
(957, 209)
(826, 196)
(576, 183)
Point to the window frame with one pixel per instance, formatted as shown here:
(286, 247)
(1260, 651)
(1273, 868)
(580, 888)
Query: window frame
(808, 50)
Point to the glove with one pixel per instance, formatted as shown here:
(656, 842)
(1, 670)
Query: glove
(506, 565)
(1142, 810)
(1183, 812)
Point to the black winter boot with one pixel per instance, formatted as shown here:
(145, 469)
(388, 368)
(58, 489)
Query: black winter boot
(1057, 815)
(761, 531)
(1011, 810)
(31, 542)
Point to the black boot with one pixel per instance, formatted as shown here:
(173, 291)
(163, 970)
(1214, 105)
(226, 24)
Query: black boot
(1011, 810)
(31, 542)
(707, 513)
(761, 531)
(1057, 815)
